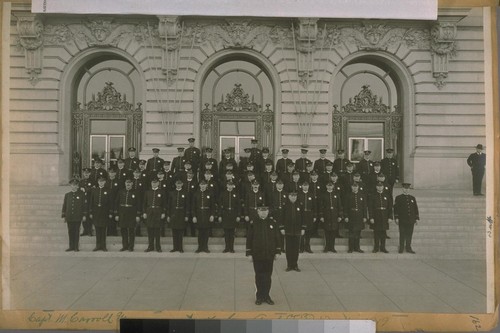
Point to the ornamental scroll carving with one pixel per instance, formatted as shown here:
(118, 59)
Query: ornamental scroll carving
(237, 101)
(365, 102)
(443, 48)
(109, 99)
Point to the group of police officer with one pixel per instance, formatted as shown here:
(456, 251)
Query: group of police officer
(195, 192)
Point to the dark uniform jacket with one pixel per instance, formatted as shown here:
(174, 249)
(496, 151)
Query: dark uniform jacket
(320, 165)
(276, 202)
(253, 200)
(140, 188)
(127, 207)
(293, 186)
(330, 210)
(309, 207)
(301, 164)
(380, 209)
(316, 188)
(263, 239)
(96, 173)
(229, 208)
(476, 161)
(131, 163)
(406, 209)
(178, 208)
(122, 175)
(222, 166)
(154, 165)
(193, 154)
(365, 168)
(292, 222)
(178, 164)
(100, 206)
(340, 165)
(113, 185)
(202, 208)
(154, 204)
(74, 206)
(355, 208)
(214, 170)
(390, 168)
(282, 166)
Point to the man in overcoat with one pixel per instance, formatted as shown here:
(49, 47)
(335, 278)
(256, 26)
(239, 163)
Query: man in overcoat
(127, 214)
(74, 211)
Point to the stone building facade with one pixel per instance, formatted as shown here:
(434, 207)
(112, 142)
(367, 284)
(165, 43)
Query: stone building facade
(82, 86)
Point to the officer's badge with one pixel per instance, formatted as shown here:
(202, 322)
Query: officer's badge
(298, 209)
(309, 198)
(335, 196)
(361, 199)
(208, 197)
(385, 198)
(105, 193)
(78, 197)
(159, 195)
(393, 163)
(133, 196)
(412, 201)
(234, 195)
(260, 198)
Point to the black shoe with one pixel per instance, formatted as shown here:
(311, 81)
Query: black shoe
(325, 251)
(77, 250)
(131, 250)
(269, 301)
(384, 250)
(197, 251)
(258, 302)
(123, 249)
(159, 250)
(105, 249)
(309, 251)
(350, 251)
(360, 251)
(70, 249)
(297, 269)
(83, 234)
(181, 251)
(333, 251)
(387, 237)
(225, 251)
(148, 249)
(375, 251)
(206, 251)
(95, 249)
(400, 251)
(288, 269)
(410, 251)
(172, 251)
(232, 251)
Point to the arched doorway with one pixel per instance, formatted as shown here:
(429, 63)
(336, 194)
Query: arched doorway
(372, 103)
(237, 100)
(104, 93)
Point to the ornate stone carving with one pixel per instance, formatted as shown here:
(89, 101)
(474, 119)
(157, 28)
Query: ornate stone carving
(57, 34)
(443, 47)
(109, 100)
(170, 31)
(30, 30)
(235, 33)
(77, 120)
(370, 36)
(306, 40)
(237, 101)
(365, 102)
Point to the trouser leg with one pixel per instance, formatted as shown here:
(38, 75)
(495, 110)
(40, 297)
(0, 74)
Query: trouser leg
(409, 235)
(151, 239)
(157, 238)
(124, 233)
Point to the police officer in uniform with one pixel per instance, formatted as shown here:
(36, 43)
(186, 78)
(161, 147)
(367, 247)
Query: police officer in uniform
(193, 154)
(293, 228)
(155, 163)
(113, 185)
(309, 216)
(131, 162)
(127, 214)
(282, 163)
(389, 167)
(153, 208)
(355, 215)
(86, 184)
(380, 212)
(302, 161)
(340, 163)
(177, 214)
(97, 171)
(365, 166)
(203, 212)
(320, 164)
(477, 162)
(74, 211)
(100, 212)
(406, 216)
(229, 214)
(331, 214)
(178, 162)
(263, 244)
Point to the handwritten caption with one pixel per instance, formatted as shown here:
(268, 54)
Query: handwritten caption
(41, 319)
(489, 226)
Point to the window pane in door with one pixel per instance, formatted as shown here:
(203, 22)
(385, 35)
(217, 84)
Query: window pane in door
(236, 128)
(98, 146)
(356, 148)
(376, 146)
(244, 143)
(108, 126)
(116, 144)
(227, 143)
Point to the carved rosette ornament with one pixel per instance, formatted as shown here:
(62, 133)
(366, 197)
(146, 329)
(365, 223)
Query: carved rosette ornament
(443, 47)
(30, 30)
(170, 31)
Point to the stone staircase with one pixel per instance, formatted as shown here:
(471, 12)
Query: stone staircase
(451, 227)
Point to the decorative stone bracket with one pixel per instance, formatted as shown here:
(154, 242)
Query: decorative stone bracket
(170, 32)
(306, 39)
(30, 29)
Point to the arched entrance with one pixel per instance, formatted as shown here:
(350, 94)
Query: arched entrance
(102, 99)
(237, 99)
(372, 103)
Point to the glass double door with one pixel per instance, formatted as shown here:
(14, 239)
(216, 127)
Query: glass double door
(107, 141)
(235, 135)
